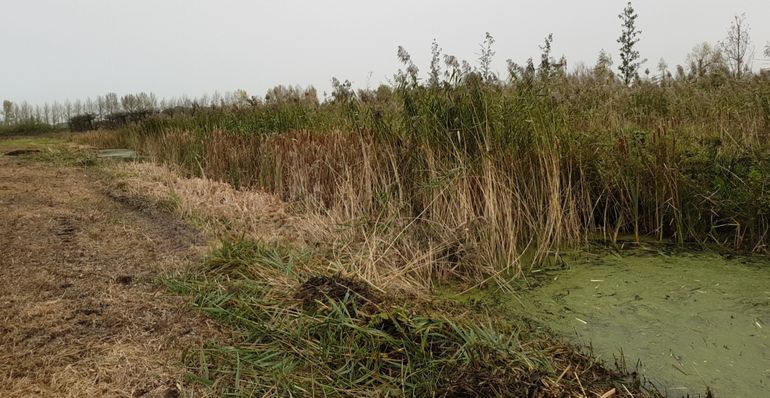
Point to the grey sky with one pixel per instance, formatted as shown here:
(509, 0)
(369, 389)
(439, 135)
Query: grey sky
(59, 49)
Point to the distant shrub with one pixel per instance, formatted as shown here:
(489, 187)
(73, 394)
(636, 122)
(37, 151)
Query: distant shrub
(27, 128)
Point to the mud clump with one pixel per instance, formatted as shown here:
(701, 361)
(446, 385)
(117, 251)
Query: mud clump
(20, 152)
(318, 289)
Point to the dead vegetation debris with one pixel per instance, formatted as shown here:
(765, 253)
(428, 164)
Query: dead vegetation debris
(319, 289)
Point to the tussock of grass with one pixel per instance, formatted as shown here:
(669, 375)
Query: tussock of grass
(252, 257)
(355, 343)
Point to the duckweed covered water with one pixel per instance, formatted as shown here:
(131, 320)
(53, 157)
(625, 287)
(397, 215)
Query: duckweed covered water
(693, 320)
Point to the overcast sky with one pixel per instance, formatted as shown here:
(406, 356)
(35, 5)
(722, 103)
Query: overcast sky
(59, 49)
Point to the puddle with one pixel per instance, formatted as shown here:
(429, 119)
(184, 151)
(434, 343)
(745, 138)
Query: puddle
(121, 154)
(693, 320)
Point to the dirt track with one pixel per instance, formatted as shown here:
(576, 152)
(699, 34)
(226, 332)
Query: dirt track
(80, 314)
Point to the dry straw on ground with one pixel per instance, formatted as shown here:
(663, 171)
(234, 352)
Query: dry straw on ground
(81, 314)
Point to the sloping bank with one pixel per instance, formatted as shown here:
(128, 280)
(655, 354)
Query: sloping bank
(304, 325)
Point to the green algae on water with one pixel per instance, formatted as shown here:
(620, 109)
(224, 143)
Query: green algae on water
(691, 320)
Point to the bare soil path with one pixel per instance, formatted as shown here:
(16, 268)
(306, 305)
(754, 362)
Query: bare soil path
(80, 311)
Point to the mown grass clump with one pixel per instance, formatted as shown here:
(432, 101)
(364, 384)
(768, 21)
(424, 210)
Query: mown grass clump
(329, 335)
(252, 258)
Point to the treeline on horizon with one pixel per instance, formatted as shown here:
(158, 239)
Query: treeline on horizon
(709, 64)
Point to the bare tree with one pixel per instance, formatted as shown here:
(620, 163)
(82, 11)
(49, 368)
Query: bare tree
(129, 103)
(47, 117)
(111, 103)
(216, 99)
(736, 45)
(100, 106)
(57, 111)
(68, 109)
(24, 113)
(89, 106)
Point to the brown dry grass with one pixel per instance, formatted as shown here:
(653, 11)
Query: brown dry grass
(224, 212)
(81, 314)
(400, 215)
(220, 210)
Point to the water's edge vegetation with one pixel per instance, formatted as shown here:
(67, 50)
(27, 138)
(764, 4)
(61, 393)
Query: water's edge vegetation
(477, 172)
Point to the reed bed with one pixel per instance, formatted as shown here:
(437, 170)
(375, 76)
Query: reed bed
(477, 178)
